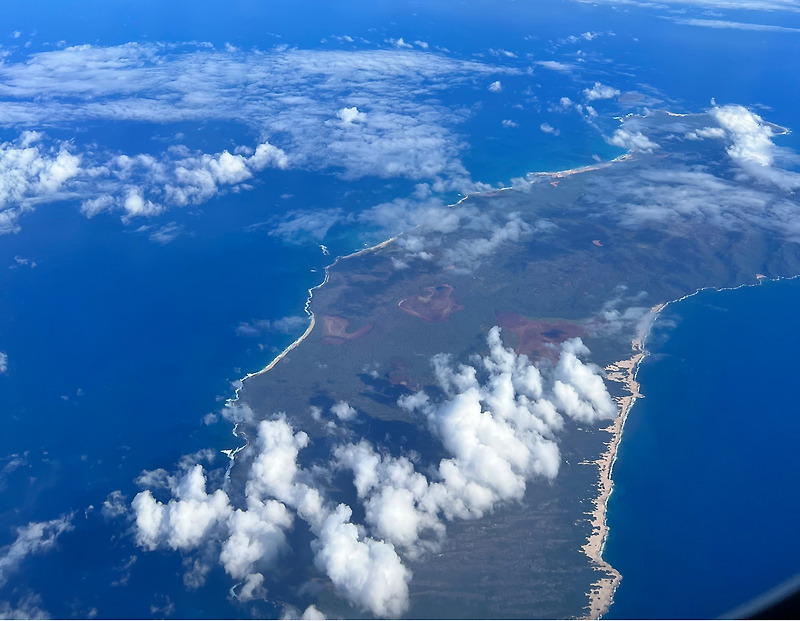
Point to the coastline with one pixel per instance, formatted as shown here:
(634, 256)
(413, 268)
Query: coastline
(601, 592)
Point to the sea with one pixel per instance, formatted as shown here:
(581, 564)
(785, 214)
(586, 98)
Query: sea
(122, 350)
(704, 501)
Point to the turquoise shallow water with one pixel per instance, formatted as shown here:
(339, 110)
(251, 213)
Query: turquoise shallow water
(704, 511)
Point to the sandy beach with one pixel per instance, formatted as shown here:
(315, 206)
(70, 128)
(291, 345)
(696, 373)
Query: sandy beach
(601, 593)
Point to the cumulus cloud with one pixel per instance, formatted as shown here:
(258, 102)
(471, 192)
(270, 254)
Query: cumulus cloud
(751, 147)
(257, 537)
(600, 91)
(31, 172)
(498, 421)
(549, 129)
(408, 133)
(399, 42)
(3, 362)
(751, 137)
(705, 132)
(351, 115)
(579, 390)
(496, 86)
(343, 411)
(367, 572)
(114, 506)
(139, 186)
(35, 538)
(185, 520)
(632, 141)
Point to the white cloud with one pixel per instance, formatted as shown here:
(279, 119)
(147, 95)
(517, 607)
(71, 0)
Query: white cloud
(3, 362)
(502, 53)
(285, 325)
(600, 91)
(35, 538)
(256, 539)
(290, 93)
(736, 5)
(718, 23)
(632, 141)
(509, 124)
(496, 86)
(350, 115)
(579, 390)
(297, 226)
(705, 132)
(549, 129)
(466, 254)
(136, 205)
(185, 520)
(752, 139)
(114, 505)
(555, 65)
(343, 411)
(399, 42)
(498, 420)
(751, 146)
(666, 196)
(29, 607)
(368, 572)
(31, 172)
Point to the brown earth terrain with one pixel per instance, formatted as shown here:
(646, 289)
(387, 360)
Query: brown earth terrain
(435, 306)
(334, 330)
(538, 338)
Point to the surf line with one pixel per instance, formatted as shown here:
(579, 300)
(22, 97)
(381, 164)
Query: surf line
(239, 384)
(601, 593)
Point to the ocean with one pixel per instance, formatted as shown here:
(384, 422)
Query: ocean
(119, 346)
(704, 511)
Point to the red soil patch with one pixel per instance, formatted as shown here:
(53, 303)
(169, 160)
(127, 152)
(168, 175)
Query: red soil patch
(399, 375)
(334, 330)
(535, 337)
(435, 306)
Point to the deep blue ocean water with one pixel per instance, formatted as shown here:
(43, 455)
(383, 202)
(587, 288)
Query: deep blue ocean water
(704, 507)
(119, 346)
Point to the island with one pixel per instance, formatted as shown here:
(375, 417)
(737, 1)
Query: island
(557, 279)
